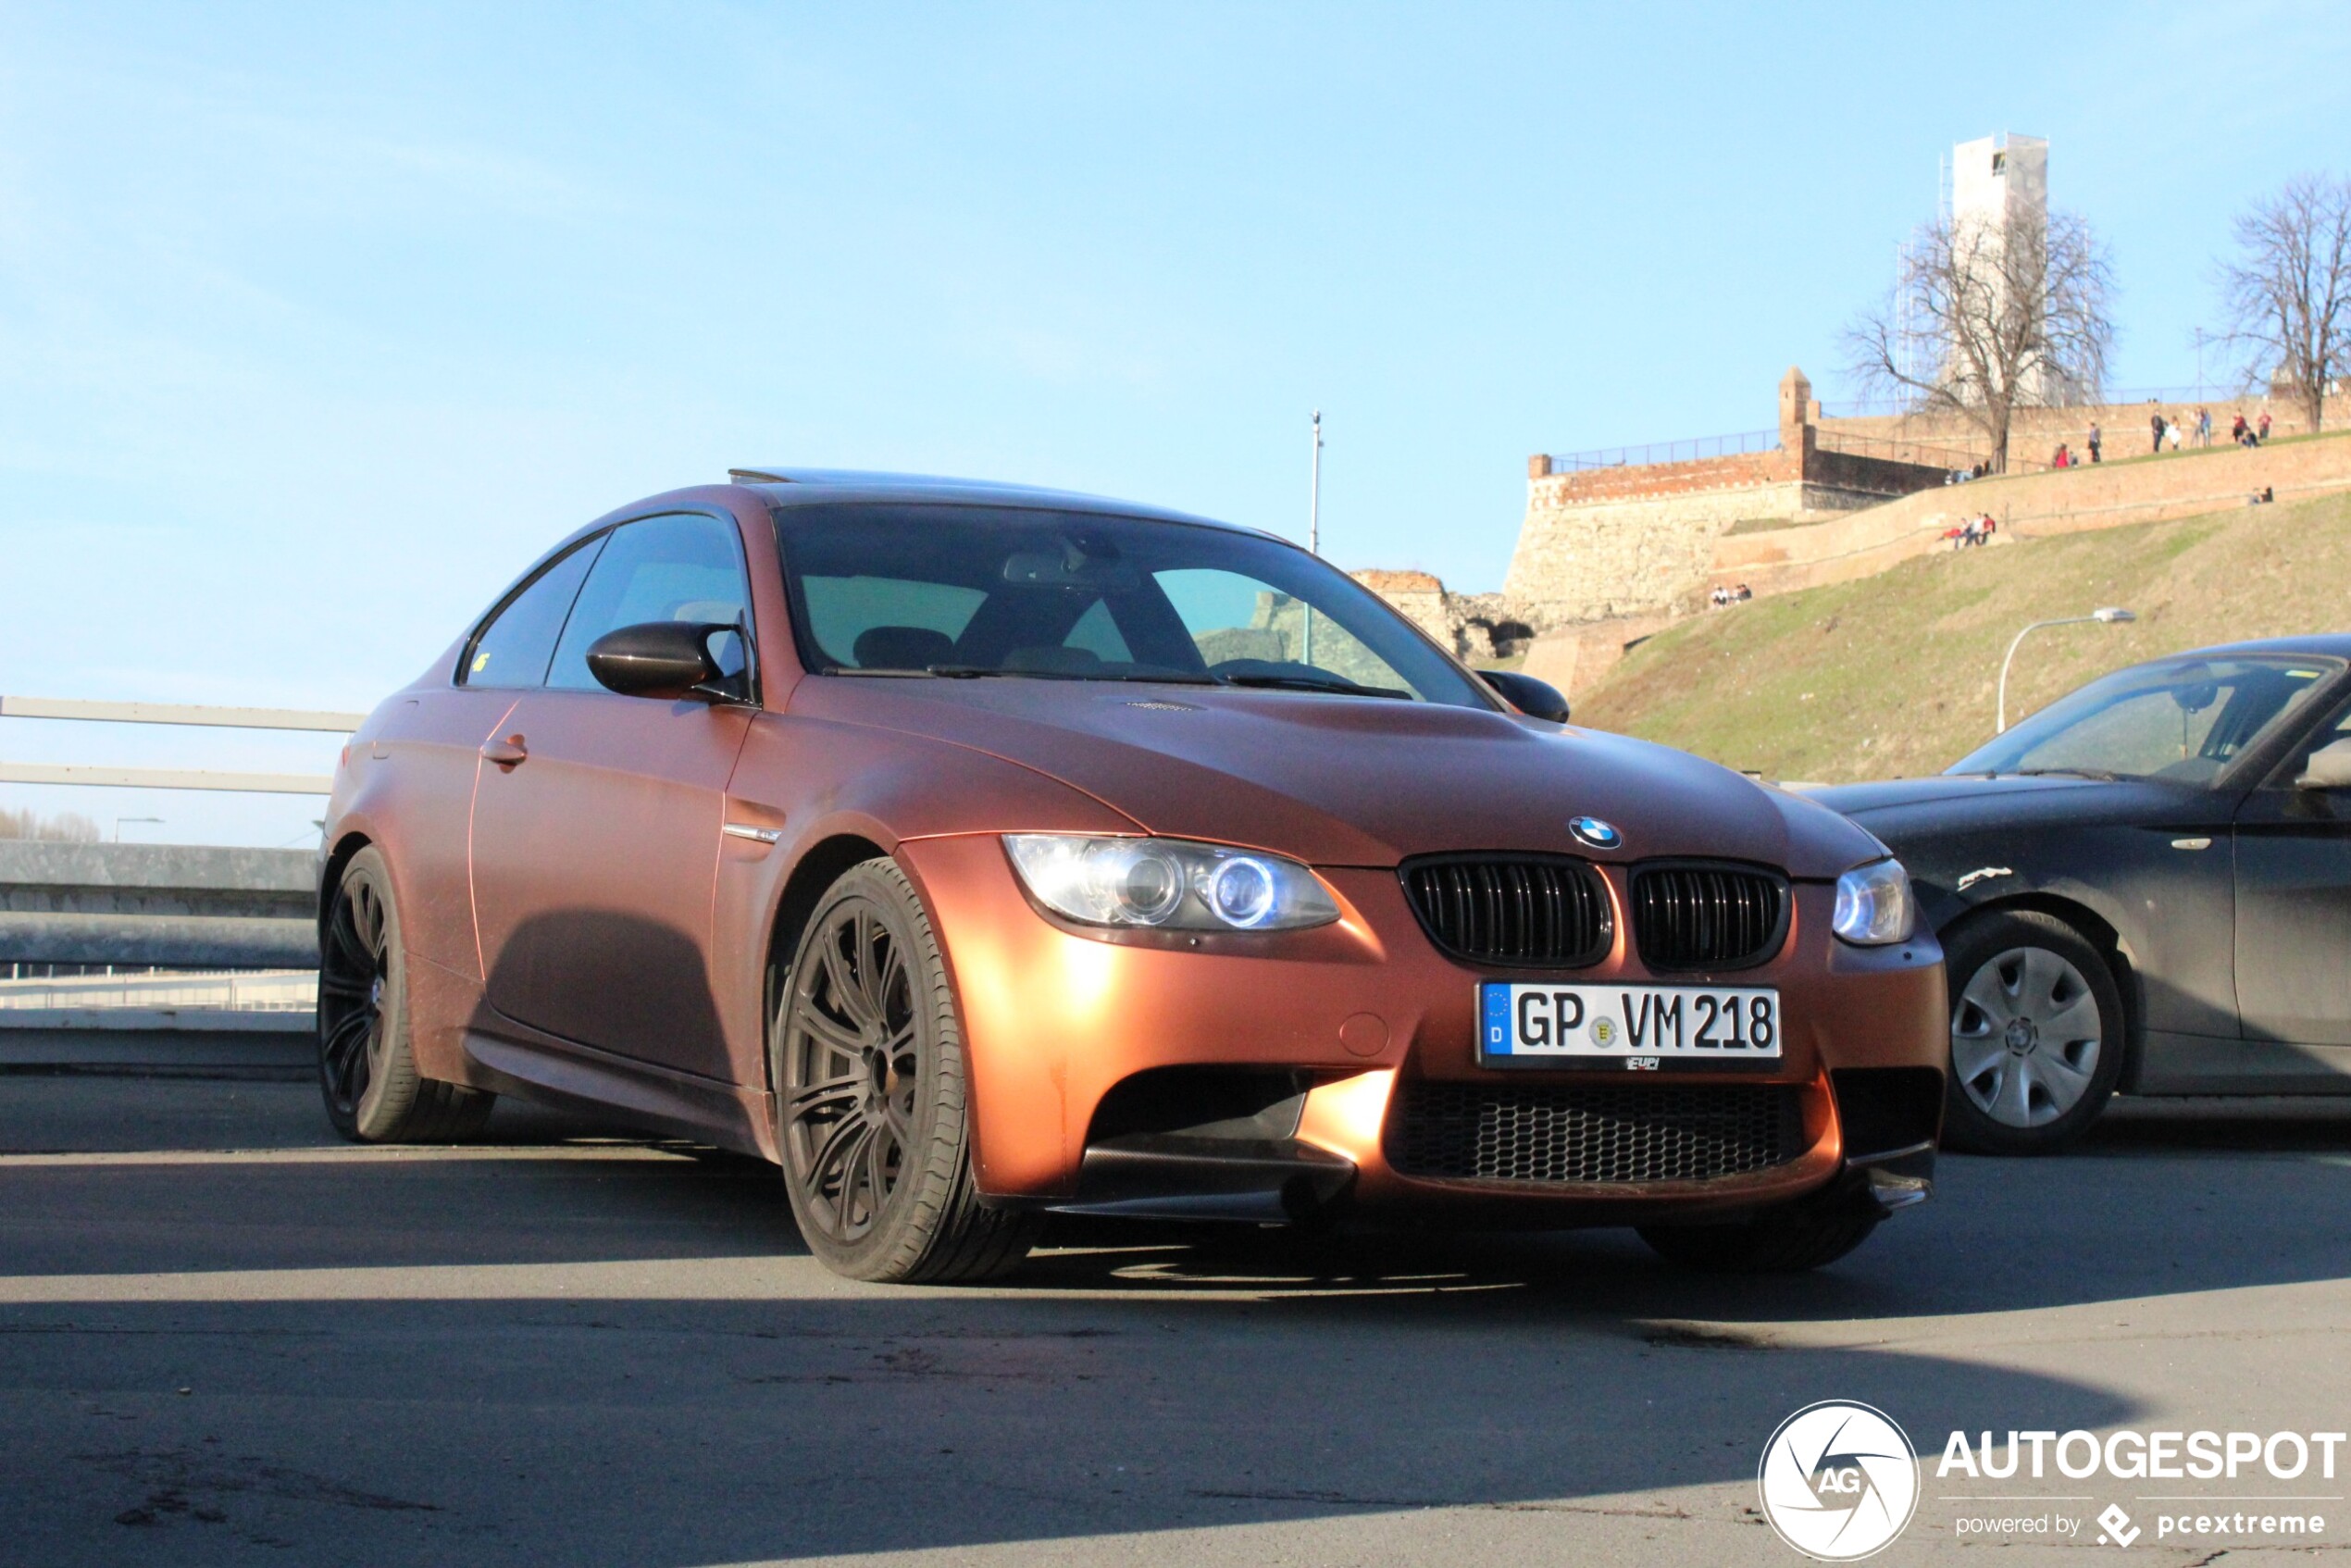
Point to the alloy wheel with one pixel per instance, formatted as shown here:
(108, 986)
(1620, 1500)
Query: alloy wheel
(352, 966)
(852, 1060)
(2025, 1037)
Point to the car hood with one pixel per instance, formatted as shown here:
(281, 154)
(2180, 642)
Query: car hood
(1911, 814)
(1351, 781)
(1859, 800)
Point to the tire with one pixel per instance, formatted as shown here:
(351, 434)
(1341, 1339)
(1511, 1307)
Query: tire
(872, 1112)
(367, 1071)
(1788, 1239)
(2037, 1033)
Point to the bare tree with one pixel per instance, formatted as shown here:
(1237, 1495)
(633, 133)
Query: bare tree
(2288, 292)
(1985, 320)
(70, 828)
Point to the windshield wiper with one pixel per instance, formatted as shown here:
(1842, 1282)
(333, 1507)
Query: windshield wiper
(974, 672)
(2101, 775)
(1314, 683)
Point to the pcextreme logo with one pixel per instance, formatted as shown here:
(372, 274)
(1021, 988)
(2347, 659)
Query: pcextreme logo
(1839, 1480)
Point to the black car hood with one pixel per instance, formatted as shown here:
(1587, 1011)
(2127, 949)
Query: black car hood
(1906, 811)
(1860, 800)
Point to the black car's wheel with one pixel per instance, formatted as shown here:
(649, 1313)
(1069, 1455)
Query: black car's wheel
(373, 1091)
(2036, 1034)
(867, 1059)
(1784, 1240)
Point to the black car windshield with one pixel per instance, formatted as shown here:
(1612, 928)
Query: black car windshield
(2180, 719)
(961, 591)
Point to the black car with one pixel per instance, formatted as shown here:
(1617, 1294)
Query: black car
(2146, 887)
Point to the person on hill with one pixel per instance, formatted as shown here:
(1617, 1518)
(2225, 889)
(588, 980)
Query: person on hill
(2097, 440)
(2171, 434)
(2237, 431)
(2154, 423)
(2263, 440)
(1746, 594)
(2204, 427)
(1986, 527)
(2061, 458)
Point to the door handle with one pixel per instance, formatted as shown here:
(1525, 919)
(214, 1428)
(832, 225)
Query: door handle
(508, 753)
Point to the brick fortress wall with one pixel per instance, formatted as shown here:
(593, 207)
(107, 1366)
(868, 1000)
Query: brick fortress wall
(1637, 539)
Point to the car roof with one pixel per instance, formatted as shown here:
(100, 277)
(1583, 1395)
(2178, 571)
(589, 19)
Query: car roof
(2329, 644)
(786, 484)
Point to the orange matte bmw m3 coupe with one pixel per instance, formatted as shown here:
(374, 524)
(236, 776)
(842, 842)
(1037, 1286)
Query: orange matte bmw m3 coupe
(977, 852)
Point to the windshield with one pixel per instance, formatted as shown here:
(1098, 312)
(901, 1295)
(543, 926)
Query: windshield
(2178, 719)
(952, 592)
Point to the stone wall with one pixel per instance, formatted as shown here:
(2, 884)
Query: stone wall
(1598, 543)
(2036, 505)
(2035, 432)
(1477, 627)
(1601, 559)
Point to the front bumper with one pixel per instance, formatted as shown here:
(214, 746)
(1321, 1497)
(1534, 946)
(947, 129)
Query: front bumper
(1054, 1020)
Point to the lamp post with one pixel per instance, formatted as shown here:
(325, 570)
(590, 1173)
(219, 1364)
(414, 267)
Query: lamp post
(1314, 532)
(2107, 616)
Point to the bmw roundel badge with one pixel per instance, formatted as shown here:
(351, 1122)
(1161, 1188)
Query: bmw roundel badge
(1593, 831)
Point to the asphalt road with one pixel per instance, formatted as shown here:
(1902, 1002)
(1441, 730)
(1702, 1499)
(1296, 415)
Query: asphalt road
(225, 1338)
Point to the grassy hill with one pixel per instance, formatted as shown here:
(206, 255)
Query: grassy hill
(1894, 675)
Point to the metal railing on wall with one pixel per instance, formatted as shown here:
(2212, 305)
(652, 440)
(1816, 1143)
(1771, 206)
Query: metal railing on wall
(1894, 449)
(1667, 451)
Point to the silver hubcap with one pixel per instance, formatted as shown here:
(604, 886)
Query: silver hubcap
(2025, 1037)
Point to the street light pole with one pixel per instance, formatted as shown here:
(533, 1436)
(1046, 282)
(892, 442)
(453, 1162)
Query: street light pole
(1314, 532)
(2107, 616)
(1314, 494)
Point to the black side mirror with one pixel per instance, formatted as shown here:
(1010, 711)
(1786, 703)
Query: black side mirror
(669, 660)
(1536, 699)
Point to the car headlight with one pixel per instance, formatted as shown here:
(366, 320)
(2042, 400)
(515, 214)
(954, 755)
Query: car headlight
(1168, 884)
(1874, 904)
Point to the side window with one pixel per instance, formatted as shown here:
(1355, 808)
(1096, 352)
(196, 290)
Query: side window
(512, 650)
(683, 566)
(2333, 732)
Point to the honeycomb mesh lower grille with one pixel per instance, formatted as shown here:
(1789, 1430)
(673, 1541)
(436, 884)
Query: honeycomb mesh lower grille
(1599, 1133)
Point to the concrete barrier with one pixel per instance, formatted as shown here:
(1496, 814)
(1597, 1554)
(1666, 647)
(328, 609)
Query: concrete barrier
(158, 904)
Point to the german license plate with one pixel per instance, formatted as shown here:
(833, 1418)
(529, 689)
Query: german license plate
(1641, 1028)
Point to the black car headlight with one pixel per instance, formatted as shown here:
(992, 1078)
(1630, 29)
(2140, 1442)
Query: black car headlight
(1874, 904)
(1168, 884)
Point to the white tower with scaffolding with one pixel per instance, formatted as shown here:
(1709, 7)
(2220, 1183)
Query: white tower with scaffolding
(2000, 190)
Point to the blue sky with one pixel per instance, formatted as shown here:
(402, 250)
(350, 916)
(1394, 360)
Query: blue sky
(317, 323)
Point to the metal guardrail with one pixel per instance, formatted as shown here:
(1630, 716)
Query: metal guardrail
(167, 777)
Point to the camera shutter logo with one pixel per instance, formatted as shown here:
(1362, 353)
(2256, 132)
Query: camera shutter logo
(1839, 1480)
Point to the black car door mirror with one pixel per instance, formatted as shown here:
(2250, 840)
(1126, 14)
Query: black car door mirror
(2329, 767)
(672, 659)
(1536, 699)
